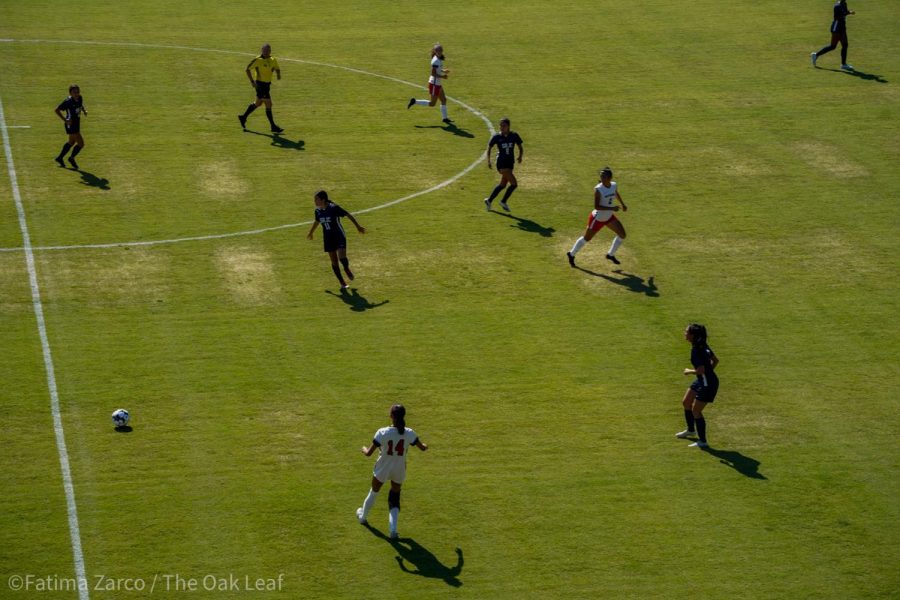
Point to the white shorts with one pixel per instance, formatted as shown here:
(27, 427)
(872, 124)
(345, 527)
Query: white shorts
(390, 469)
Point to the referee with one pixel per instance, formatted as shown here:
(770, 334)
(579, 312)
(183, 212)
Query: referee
(262, 66)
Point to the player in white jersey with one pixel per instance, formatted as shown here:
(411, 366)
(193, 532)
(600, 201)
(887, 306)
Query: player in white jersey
(435, 87)
(394, 442)
(602, 216)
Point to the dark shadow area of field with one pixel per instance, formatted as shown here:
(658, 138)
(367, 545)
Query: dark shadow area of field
(451, 127)
(422, 561)
(527, 225)
(280, 141)
(355, 301)
(93, 181)
(860, 74)
(749, 467)
(628, 280)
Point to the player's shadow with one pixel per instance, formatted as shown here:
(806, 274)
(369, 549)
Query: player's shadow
(279, 141)
(451, 127)
(416, 559)
(93, 181)
(749, 467)
(628, 280)
(355, 301)
(527, 225)
(860, 74)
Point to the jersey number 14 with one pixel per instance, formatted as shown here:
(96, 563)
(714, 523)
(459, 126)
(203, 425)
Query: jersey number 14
(391, 448)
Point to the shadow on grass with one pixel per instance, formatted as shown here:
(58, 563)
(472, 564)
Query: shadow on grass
(451, 127)
(280, 141)
(421, 561)
(527, 225)
(355, 301)
(746, 466)
(93, 181)
(860, 74)
(628, 280)
(124, 429)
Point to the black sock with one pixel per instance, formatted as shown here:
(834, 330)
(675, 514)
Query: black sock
(269, 117)
(701, 428)
(509, 192)
(249, 110)
(337, 273)
(824, 50)
(495, 192)
(843, 55)
(346, 262)
(689, 418)
(65, 149)
(76, 151)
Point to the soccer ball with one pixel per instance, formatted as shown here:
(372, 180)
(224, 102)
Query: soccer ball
(120, 417)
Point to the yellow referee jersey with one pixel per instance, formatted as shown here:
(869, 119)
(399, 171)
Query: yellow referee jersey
(264, 68)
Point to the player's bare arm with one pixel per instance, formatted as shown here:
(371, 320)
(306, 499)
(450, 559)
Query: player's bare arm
(422, 445)
(312, 229)
(359, 227)
(369, 450)
(619, 198)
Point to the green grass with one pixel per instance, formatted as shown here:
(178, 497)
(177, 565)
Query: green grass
(763, 202)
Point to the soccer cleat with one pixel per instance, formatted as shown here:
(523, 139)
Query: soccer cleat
(813, 58)
(447, 121)
(243, 121)
(613, 259)
(345, 286)
(359, 516)
(276, 129)
(59, 161)
(698, 444)
(571, 258)
(411, 102)
(504, 205)
(487, 205)
(349, 274)
(846, 67)
(395, 535)
(687, 433)
(73, 163)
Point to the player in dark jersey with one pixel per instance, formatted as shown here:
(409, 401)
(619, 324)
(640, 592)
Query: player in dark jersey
(329, 214)
(506, 142)
(704, 388)
(70, 110)
(838, 34)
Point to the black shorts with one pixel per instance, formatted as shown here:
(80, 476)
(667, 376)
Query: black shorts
(335, 242)
(74, 127)
(706, 393)
(505, 163)
(262, 90)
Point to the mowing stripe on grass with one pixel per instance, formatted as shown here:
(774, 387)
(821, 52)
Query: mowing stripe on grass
(216, 236)
(48, 363)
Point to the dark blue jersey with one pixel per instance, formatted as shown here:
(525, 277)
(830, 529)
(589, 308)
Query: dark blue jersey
(505, 144)
(701, 356)
(840, 16)
(330, 219)
(72, 107)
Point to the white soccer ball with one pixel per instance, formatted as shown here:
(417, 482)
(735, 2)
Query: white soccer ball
(120, 417)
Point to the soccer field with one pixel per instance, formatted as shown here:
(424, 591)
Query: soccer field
(171, 275)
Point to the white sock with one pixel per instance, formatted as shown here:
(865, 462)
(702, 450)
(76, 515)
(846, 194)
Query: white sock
(421, 102)
(579, 244)
(444, 111)
(393, 518)
(369, 503)
(617, 241)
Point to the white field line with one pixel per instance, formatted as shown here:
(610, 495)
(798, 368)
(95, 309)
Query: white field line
(71, 507)
(216, 236)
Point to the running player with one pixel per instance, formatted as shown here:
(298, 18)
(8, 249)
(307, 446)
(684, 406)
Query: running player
(506, 142)
(70, 110)
(704, 388)
(838, 34)
(329, 215)
(602, 216)
(262, 66)
(435, 88)
(394, 442)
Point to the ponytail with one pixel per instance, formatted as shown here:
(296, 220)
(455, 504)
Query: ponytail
(398, 416)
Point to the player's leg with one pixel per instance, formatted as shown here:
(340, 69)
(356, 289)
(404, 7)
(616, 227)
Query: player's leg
(592, 228)
(394, 508)
(619, 230)
(362, 513)
(70, 141)
(250, 108)
(697, 410)
(509, 178)
(688, 404)
(332, 254)
(845, 43)
(268, 102)
(76, 148)
(443, 97)
(497, 189)
(345, 262)
(835, 37)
